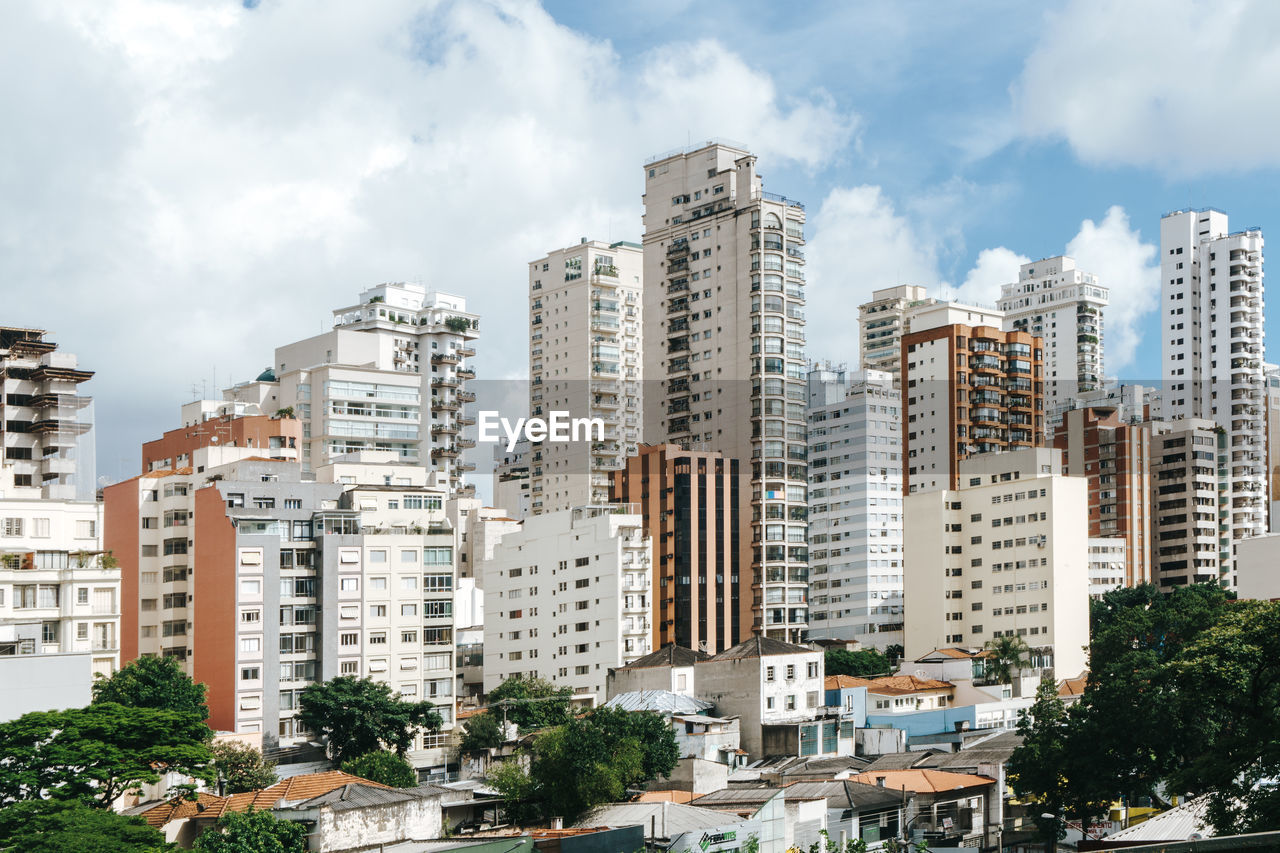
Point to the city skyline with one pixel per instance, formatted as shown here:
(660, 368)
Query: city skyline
(165, 209)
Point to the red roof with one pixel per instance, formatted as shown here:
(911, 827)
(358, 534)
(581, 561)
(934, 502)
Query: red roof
(922, 781)
(887, 685)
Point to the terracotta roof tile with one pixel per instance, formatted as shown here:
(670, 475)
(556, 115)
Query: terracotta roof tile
(293, 789)
(180, 807)
(922, 781)
(892, 685)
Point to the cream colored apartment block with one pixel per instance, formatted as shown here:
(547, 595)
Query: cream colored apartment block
(568, 598)
(724, 272)
(1004, 554)
(585, 359)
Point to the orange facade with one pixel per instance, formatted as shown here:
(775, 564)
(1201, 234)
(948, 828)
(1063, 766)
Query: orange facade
(175, 447)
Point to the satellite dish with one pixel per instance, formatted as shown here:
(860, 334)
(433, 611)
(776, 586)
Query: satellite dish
(213, 440)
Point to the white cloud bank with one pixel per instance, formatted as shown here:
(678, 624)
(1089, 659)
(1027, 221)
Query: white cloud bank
(1184, 87)
(186, 186)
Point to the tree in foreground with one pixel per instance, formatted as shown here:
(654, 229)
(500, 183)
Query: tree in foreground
(253, 831)
(58, 826)
(360, 715)
(242, 767)
(531, 703)
(99, 752)
(383, 766)
(861, 663)
(153, 682)
(481, 731)
(587, 761)
(1006, 657)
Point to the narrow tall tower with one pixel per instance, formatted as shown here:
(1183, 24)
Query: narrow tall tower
(1212, 345)
(724, 354)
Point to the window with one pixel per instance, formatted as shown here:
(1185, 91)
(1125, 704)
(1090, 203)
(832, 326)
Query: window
(250, 673)
(248, 617)
(40, 528)
(378, 611)
(13, 527)
(378, 638)
(250, 645)
(813, 669)
(409, 637)
(250, 588)
(86, 529)
(408, 610)
(349, 667)
(791, 672)
(768, 673)
(82, 595)
(349, 584)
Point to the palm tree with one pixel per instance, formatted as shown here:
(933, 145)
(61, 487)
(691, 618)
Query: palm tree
(1006, 656)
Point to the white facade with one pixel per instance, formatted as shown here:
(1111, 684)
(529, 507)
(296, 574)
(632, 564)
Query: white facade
(1061, 304)
(585, 358)
(1212, 333)
(1107, 565)
(480, 528)
(511, 478)
(855, 507)
(568, 598)
(724, 272)
(57, 595)
(390, 377)
(1005, 554)
(936, 313)
(882, 323)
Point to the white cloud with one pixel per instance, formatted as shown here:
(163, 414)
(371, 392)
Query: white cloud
(860, 244)
(1130, 268)
(197, 183)
(1180, 86)
(992, 269)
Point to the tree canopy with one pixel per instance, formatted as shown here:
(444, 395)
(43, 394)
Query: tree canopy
(253, 831)
(360, 715)
(531, 703)
(481, 731)
(587, 761)
(1006, 656)
(864, 662)
(383, 766)
(57, 826)
(98, 752)
(153, 682)
(242, 767)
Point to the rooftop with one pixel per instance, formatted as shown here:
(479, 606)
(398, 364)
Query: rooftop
(668, 655)
(760, 646)
(668, 819)
(923, 781)
(889, 685)
(661, 701)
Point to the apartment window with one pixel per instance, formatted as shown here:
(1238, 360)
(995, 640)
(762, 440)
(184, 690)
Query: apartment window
(769, 673)
(250, 645)
(408, 610)
(250, 673)
(86, 529)
(409, 637)
(349, 584)
(349, 638)
(378, 638)
(813, 669)
(249, 617)
(40, 528)
(82, 595)
(13, 526)
(349, 667)
(48, 632)
(791, 702)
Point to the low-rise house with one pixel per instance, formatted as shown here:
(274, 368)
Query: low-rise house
(677, 827)
(949, 810)
(708, 745)
(845, 810)
(668, 668)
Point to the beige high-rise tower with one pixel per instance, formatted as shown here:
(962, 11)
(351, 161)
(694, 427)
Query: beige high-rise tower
(724, 310)
(584, 359)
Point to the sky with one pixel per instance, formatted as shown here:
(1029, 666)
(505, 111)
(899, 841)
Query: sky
(185, 186)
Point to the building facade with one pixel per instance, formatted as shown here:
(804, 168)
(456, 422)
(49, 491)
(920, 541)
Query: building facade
(1211, 282)
(855, 507)
(1061, 305)
(585, 359)
(46, 425)
(568, 598)
(882, 322)
(689, 503)
(1001, 555)
(390, 376)
(968, 390)
(1191, 540)
(1115, 456)
(724, 353)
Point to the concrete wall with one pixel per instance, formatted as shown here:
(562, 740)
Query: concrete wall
(49, 682)
(372, 826)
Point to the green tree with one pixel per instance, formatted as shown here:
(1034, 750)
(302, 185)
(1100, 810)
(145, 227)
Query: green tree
(385, 767)
(481, 731)
(153, 682)
(894, 653)
(242, 767)
(1228, 680)
(99, 752)
(587, 761)
(531, 703)
(360, 715)
(57, 826)
(253, 831)
(516, 788)
(864, 662)
(1006, 657)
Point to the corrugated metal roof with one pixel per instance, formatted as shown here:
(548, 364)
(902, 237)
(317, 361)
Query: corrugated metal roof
(662, 701)
(668, 655)
(671, 819)
(759, 646)
(1177, 824)
(360, 795)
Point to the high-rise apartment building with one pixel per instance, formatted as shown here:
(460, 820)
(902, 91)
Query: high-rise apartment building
(1192, 540)
(895, 311)
(1273, 446)
(263, 581)
(46, 425)
(568, 598)
(585, 359)
(967, 390)
(1061, 305)
(1211, 302)
(855, 506)
(1115, 456)
(688, 501)
(1002, 554)
(511, 478)
(724, 354)
(479, 528)
(390, 376)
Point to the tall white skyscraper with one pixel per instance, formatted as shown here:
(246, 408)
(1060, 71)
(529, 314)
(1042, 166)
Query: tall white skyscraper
(389, 376)
(1211, 305)
(724, 354)
(1061, 304)
(584, 359)
(855, 506)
